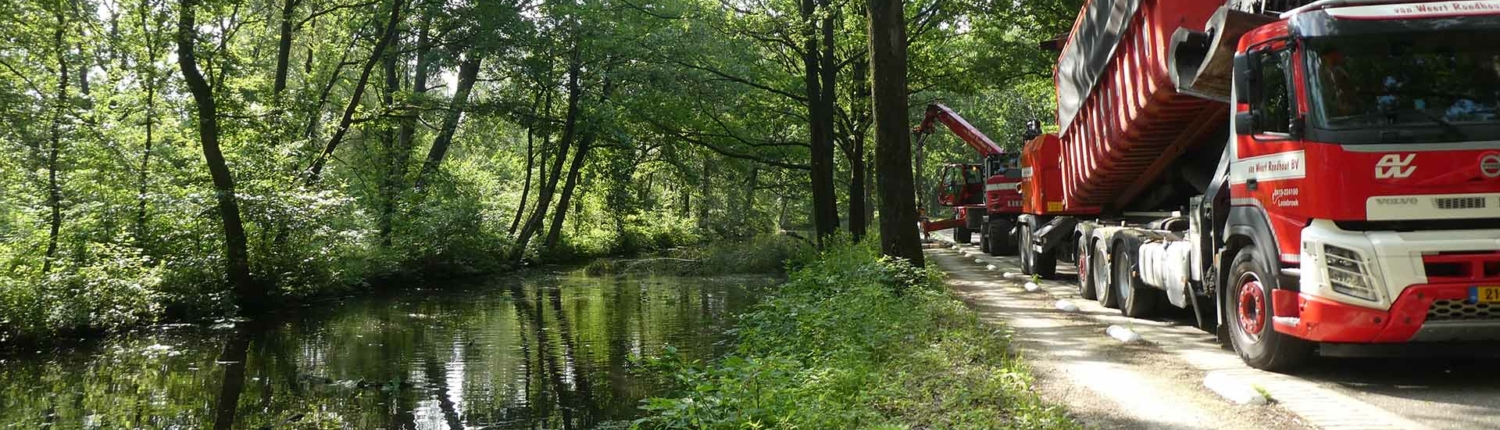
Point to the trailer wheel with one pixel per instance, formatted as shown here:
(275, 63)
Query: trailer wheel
(962, 235)
(1135, 300)
(1099, 268)
(998, 235)
(1248, 309)
(1086, 287)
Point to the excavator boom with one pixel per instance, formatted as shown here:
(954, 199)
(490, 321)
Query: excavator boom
(936, 112)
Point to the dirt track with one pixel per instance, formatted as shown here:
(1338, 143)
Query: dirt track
(1160, 382)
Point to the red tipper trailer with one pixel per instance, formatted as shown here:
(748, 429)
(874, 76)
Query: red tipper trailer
(1305, 176)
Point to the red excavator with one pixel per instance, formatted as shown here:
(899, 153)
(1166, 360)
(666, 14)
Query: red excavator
(984, 197)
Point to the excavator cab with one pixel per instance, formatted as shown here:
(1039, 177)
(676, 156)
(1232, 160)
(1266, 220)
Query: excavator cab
(962, 185)
(1006, 165)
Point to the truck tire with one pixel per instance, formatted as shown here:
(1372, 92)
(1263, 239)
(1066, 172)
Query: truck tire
(1136, 300)
(1099, 268)
(1248, 311)
(998, 235)
(962, 235)
(984, 238)
(1087, 289)
(1043, 265)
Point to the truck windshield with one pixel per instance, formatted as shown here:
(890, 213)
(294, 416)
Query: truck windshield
(1422, 87)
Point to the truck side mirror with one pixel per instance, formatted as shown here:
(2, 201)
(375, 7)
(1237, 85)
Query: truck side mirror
(1297, 126)
(1244, 123)
(1244, 78)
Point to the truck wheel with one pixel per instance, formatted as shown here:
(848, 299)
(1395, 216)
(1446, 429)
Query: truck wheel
(1086, 286)
(1135, 299)
(984, 238)
(1099, 267)
(1248, 311)
(999, 237)
(962, 235)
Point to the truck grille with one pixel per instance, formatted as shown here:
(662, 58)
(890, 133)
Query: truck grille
(1459, 310)
(1460, 203)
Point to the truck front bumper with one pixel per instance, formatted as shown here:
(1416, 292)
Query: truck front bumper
(1423, 313)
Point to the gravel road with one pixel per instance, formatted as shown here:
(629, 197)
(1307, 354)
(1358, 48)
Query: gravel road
(1160, 382)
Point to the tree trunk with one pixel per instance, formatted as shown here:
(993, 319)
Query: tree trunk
(283, 46)
(83, 72)
(858, 108)
(749, 209)
(705, 182)
(388, 143)
(561, 214)
(829, 70)
(870, 200)
(314, 118)
(549, 181)
(237, 256)
(148, 69)
(419, 87)
(536, 106)
(898, 208)
(316, 171)
(590, 133)
(825, 211)
(54, 190)
(143, 177)
(468, 72)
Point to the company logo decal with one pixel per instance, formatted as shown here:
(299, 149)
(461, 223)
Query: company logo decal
(1283, 165)
(1490, 166)
(1394, 166)
(1421, 10)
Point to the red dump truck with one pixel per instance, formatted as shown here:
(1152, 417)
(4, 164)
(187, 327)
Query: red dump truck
(1303, 176)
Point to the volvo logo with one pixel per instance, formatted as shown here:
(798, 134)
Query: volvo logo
(1396, 201)
(1490, 165)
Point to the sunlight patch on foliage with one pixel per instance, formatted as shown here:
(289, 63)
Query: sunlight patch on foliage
(856, 341)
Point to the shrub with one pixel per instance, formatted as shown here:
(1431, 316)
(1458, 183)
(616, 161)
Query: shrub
(856, 341)
(116, 288)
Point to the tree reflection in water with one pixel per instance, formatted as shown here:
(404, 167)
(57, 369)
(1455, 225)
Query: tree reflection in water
(543, 352)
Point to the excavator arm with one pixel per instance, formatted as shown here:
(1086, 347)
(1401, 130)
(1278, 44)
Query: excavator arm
(936, 112)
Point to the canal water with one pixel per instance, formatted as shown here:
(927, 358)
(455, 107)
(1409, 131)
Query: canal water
(551, 351)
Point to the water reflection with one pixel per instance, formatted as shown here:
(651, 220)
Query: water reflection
(549, 352)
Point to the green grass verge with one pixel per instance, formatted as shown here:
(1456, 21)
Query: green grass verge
(856, 341)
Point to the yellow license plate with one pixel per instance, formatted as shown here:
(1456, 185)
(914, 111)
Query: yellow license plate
(1485, 294)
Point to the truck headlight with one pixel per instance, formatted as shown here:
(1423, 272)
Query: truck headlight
(1348, 273)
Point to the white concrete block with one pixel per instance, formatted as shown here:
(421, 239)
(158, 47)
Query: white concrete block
(1123, 334)
(1066, 306)
(1234, 389)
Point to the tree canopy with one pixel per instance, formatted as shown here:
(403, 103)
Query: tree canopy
(188, 156)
